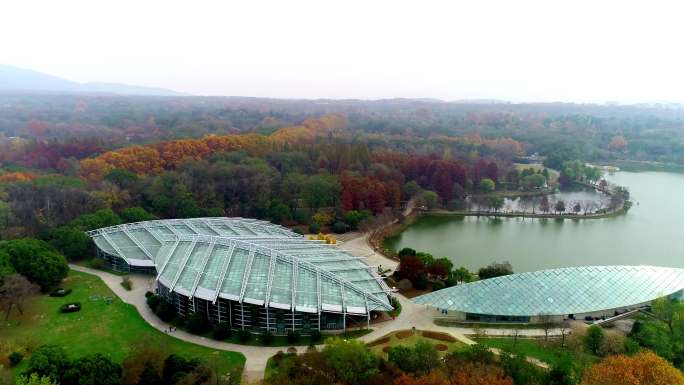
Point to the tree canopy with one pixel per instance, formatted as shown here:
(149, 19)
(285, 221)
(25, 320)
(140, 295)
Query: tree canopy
(36, 260)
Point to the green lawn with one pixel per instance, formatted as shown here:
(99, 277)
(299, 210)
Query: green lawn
(535, 348)
(98, 327)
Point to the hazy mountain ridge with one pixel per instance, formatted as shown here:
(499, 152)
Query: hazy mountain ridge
(23, 80)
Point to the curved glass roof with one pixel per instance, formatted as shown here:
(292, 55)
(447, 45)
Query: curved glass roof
(249, 261)
(571, 290)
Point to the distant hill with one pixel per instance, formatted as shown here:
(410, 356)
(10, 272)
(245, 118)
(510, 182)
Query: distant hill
(22, 80)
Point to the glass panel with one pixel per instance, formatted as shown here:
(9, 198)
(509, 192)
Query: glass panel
(233, 280)
(212, 272)
(175, 260)
(281, 290)
(258, 277)
(306, 288)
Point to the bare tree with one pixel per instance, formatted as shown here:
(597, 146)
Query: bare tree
(547, 323)
(577, 207)
(591, 206)
(564, 329)
(523, 205)
(15, 289)
(515, 333)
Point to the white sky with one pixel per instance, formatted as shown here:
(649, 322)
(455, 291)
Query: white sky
(519, 50)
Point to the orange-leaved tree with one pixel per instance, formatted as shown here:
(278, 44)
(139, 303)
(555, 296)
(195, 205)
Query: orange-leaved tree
(153, 158)
(644, 368)
(468, 373)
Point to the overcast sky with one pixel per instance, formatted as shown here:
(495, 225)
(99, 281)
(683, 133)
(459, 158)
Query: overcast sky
(519, 50)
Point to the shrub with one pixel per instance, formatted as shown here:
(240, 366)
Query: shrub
(438, 285)
(397, 307)
(244, 336)
(92, 369)
(450, 281)
(593, 339)
(177, 367)
(406, 251)
(631, 346)
(419, 359)
(221, 331)
(198, 323)
(153, 301)
(278, 357)
(315, 335)
(495, 269)
(70, 307)
(421, 282)
(148, 294)
(165, 310)
(339, 227)
(267, 338)
(97, 263)
(292, 336)
(48, 360)
(126, 282)
(15, 358)
(60, 292)
(314, 228)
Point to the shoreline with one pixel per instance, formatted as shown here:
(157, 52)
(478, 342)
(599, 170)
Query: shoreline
(377, 238)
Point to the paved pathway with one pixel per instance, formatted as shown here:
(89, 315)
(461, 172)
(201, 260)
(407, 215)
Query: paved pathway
(412, 315)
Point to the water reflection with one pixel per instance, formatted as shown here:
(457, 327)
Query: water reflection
(650, 232)
(589, 202)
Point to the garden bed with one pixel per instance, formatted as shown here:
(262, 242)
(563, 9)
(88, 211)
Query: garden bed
(439, 336)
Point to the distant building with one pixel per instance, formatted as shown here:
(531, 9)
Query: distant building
(251, 274)
(573, 292)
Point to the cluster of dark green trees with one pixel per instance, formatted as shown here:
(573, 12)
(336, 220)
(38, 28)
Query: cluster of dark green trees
(663, 332)
(145, 365)
(424, 270)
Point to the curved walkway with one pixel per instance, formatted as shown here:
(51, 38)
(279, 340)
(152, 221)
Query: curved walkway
(256, 356)
(412, 315)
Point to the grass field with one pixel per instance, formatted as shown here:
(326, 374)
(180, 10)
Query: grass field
(535, 348)
(98, 327)
(553, 174)
(407, 338)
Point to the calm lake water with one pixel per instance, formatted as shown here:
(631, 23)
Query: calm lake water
(652, 232)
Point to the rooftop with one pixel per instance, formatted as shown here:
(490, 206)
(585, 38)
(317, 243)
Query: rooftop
(563, 291)
(248, 260)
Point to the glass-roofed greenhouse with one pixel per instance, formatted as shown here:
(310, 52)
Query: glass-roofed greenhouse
(249, 273)
(565, 293)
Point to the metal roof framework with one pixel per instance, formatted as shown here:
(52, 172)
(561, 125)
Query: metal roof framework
(562, 291)
(197, 256)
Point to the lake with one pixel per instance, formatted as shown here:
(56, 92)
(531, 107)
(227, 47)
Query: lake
(652, 233)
